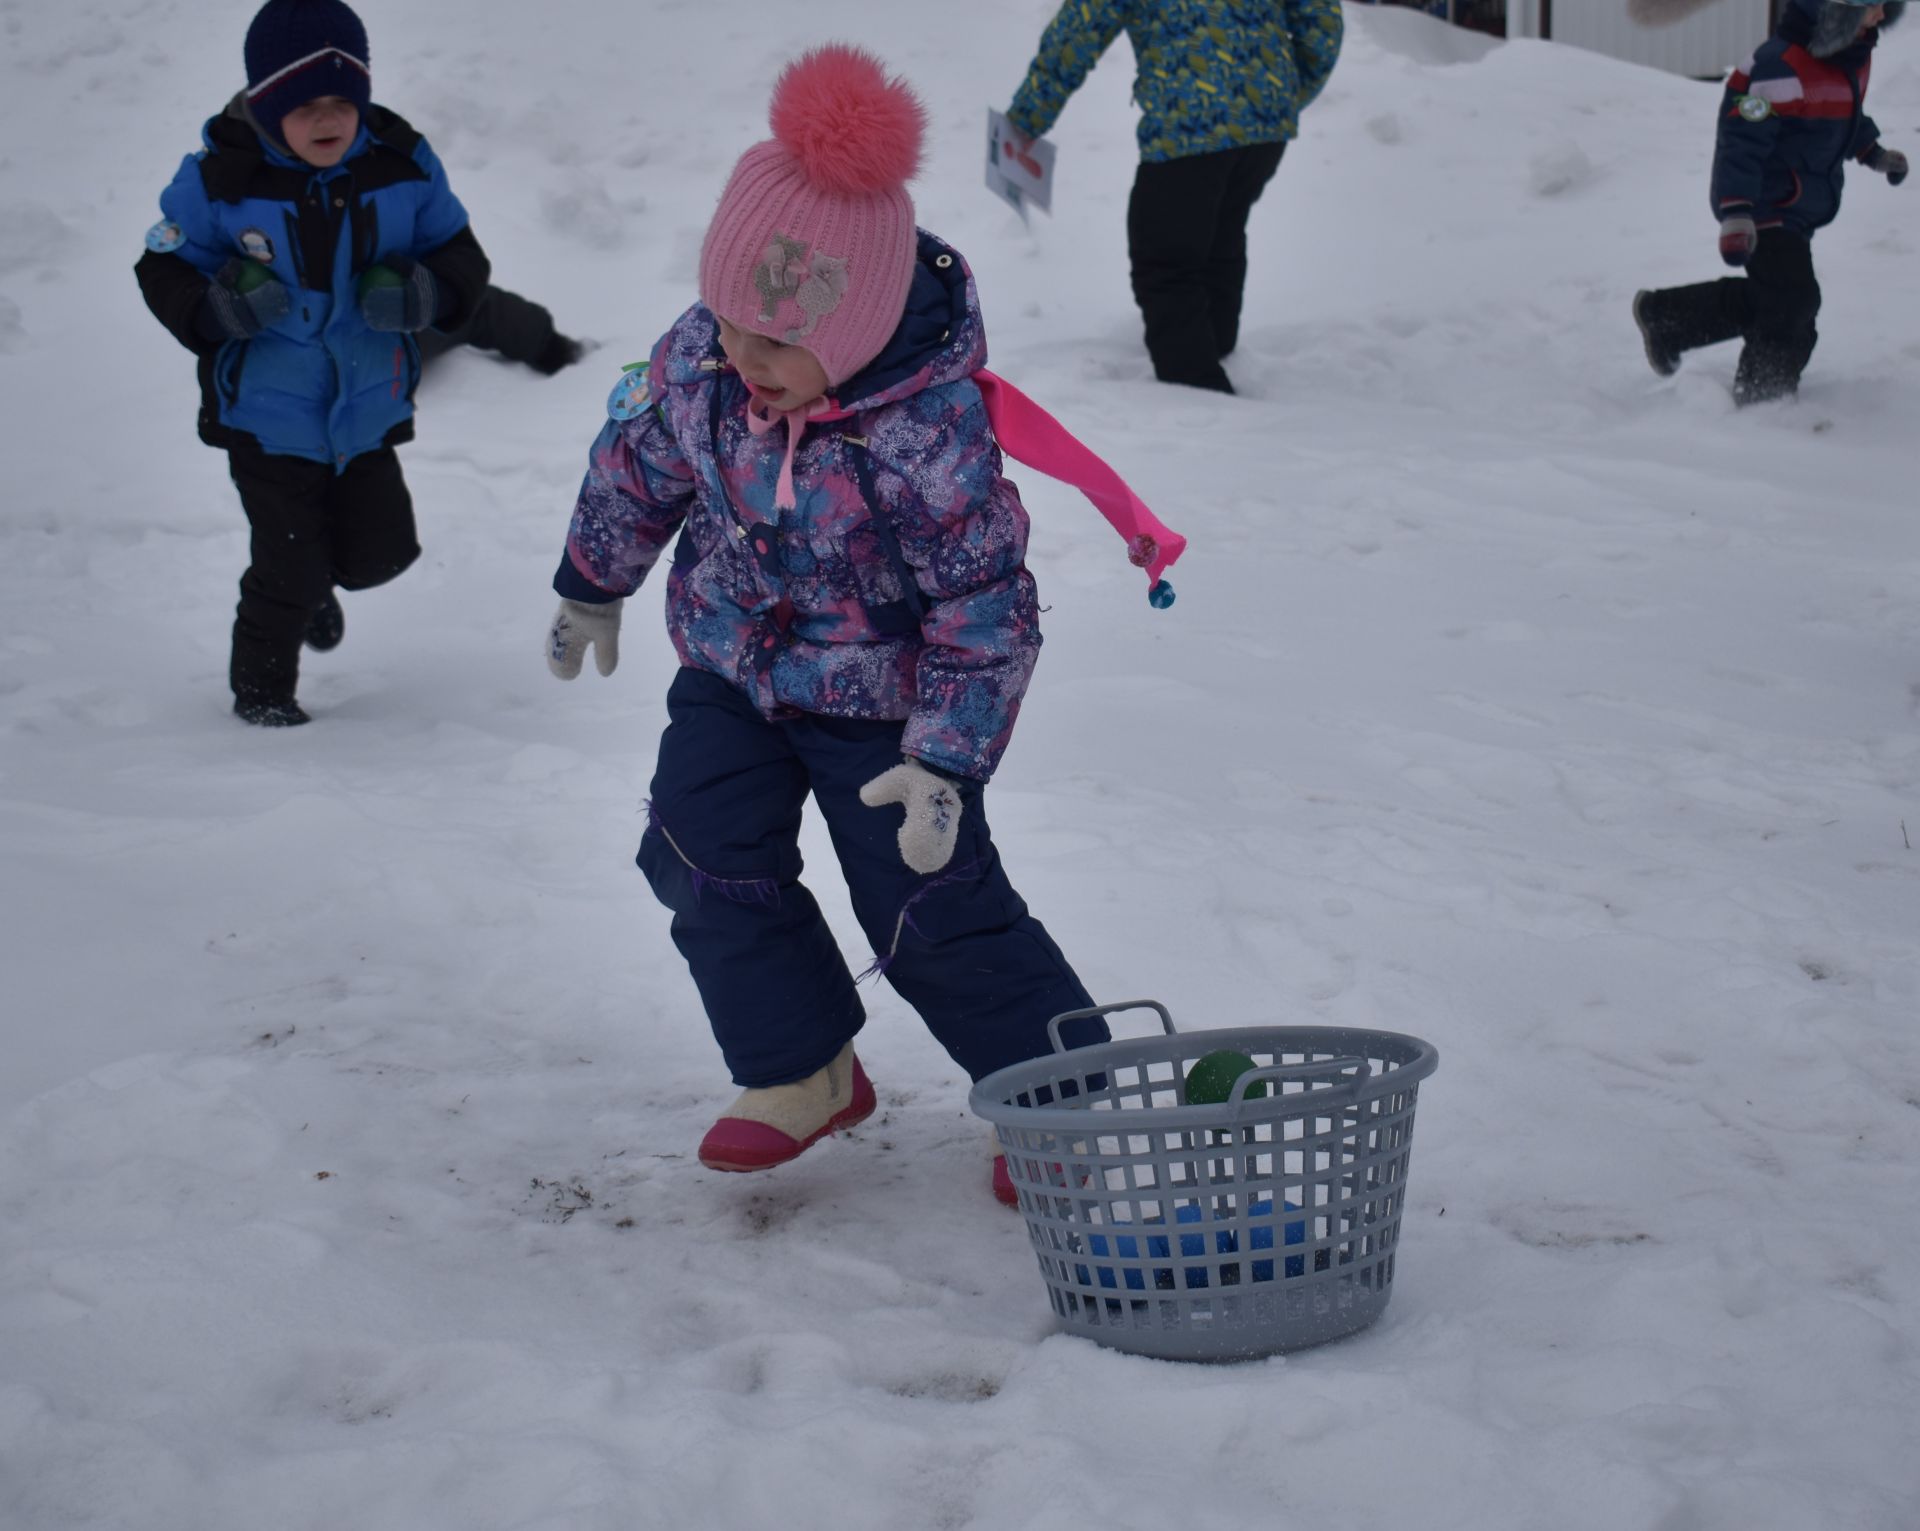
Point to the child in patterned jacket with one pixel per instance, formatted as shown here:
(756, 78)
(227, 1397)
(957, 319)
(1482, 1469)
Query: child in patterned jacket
(1221, 85)
(852, 611)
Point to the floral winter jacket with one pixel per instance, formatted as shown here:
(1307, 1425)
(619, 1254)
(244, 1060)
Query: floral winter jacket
(895, 589)
(1213, 74)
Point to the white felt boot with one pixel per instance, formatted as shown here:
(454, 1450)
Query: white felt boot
(768, 1127)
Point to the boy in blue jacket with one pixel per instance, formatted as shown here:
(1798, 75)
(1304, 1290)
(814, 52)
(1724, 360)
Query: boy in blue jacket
(298, 254)
(1789, 122)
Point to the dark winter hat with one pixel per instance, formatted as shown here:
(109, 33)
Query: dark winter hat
(301, 50)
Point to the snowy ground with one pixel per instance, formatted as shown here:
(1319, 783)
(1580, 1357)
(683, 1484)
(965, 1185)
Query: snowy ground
(1516, 699)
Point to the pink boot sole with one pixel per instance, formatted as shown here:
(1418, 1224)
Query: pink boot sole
(741, 1147)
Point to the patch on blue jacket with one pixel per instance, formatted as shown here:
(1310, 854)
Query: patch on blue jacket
(630, 396)
(165, 237)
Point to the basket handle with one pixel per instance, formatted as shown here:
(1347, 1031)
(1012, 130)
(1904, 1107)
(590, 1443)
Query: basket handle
(1053, 1026)
(1357, 1070)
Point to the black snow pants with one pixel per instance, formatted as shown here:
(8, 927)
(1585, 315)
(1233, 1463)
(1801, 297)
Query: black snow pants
(515, 327)
(313, 530)
(1772, 308)
(1187, 239)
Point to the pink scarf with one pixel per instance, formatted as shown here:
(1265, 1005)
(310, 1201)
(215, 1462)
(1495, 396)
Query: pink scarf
(1028, 433)
(761, 419)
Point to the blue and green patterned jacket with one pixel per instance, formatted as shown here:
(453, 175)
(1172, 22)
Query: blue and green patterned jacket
(1213, 74)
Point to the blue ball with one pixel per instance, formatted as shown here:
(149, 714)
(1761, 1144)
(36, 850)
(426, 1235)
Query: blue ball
(1193, 1246)
(1261, 1237)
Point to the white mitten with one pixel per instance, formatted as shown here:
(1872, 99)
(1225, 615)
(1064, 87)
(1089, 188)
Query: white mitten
(933, 812)
(576, 626)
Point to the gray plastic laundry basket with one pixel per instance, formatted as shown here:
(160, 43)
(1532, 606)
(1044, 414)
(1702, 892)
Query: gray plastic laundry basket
(1213, 1232)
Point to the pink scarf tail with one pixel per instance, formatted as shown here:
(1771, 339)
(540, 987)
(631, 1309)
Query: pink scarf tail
(1028, 433)
(761, 419)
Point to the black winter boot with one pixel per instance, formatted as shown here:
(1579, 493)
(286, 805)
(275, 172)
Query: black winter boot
(270, 711)
(327, 626)
(1662, 355)
(1769, 370)
(559, 353)
(1675, 320)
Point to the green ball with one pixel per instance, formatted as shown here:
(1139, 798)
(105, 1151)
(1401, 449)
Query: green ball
(252, 274)
(1210, 1081)
(379, 276)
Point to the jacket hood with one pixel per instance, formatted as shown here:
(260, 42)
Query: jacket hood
(239, 131)
(940, 337)
(1828, 28)
(237, 134)
(242, 160)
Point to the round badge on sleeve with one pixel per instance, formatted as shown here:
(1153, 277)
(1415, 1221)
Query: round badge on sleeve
(1755, 108)
(165, 237)
(630, 396)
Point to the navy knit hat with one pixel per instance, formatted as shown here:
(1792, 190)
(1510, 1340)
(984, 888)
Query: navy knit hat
(301, 50)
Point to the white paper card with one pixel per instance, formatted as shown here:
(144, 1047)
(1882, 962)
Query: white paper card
(1020, 170)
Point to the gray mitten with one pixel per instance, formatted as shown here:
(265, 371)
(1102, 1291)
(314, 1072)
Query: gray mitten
(399, 296)
(578, 626)
(1738, 240)
(243, 299)
(1889, 162)
(933, 812)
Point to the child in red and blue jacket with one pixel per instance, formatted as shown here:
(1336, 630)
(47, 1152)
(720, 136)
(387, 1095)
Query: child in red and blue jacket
(851, 606)
(1790, 119)
(298, 254)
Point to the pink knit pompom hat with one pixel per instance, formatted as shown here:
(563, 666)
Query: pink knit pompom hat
(813, 241)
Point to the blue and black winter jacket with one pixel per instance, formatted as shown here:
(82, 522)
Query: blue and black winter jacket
(320, 383)
(1789, 122)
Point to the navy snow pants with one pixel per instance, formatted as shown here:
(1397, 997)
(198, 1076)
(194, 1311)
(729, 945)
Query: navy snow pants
(722, 852)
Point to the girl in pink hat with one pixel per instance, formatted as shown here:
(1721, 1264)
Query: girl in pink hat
(853, 613)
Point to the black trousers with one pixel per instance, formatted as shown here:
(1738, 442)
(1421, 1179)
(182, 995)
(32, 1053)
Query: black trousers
(1187, 238)
(313, 530)
(516, 327)
(1772, 308)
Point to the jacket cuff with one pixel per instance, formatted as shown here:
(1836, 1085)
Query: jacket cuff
(571, 585)
(945, 773)
(206, 322)
(968, 773)
(1032, 123)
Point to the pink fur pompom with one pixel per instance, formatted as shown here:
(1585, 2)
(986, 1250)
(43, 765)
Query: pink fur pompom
(853, 130)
